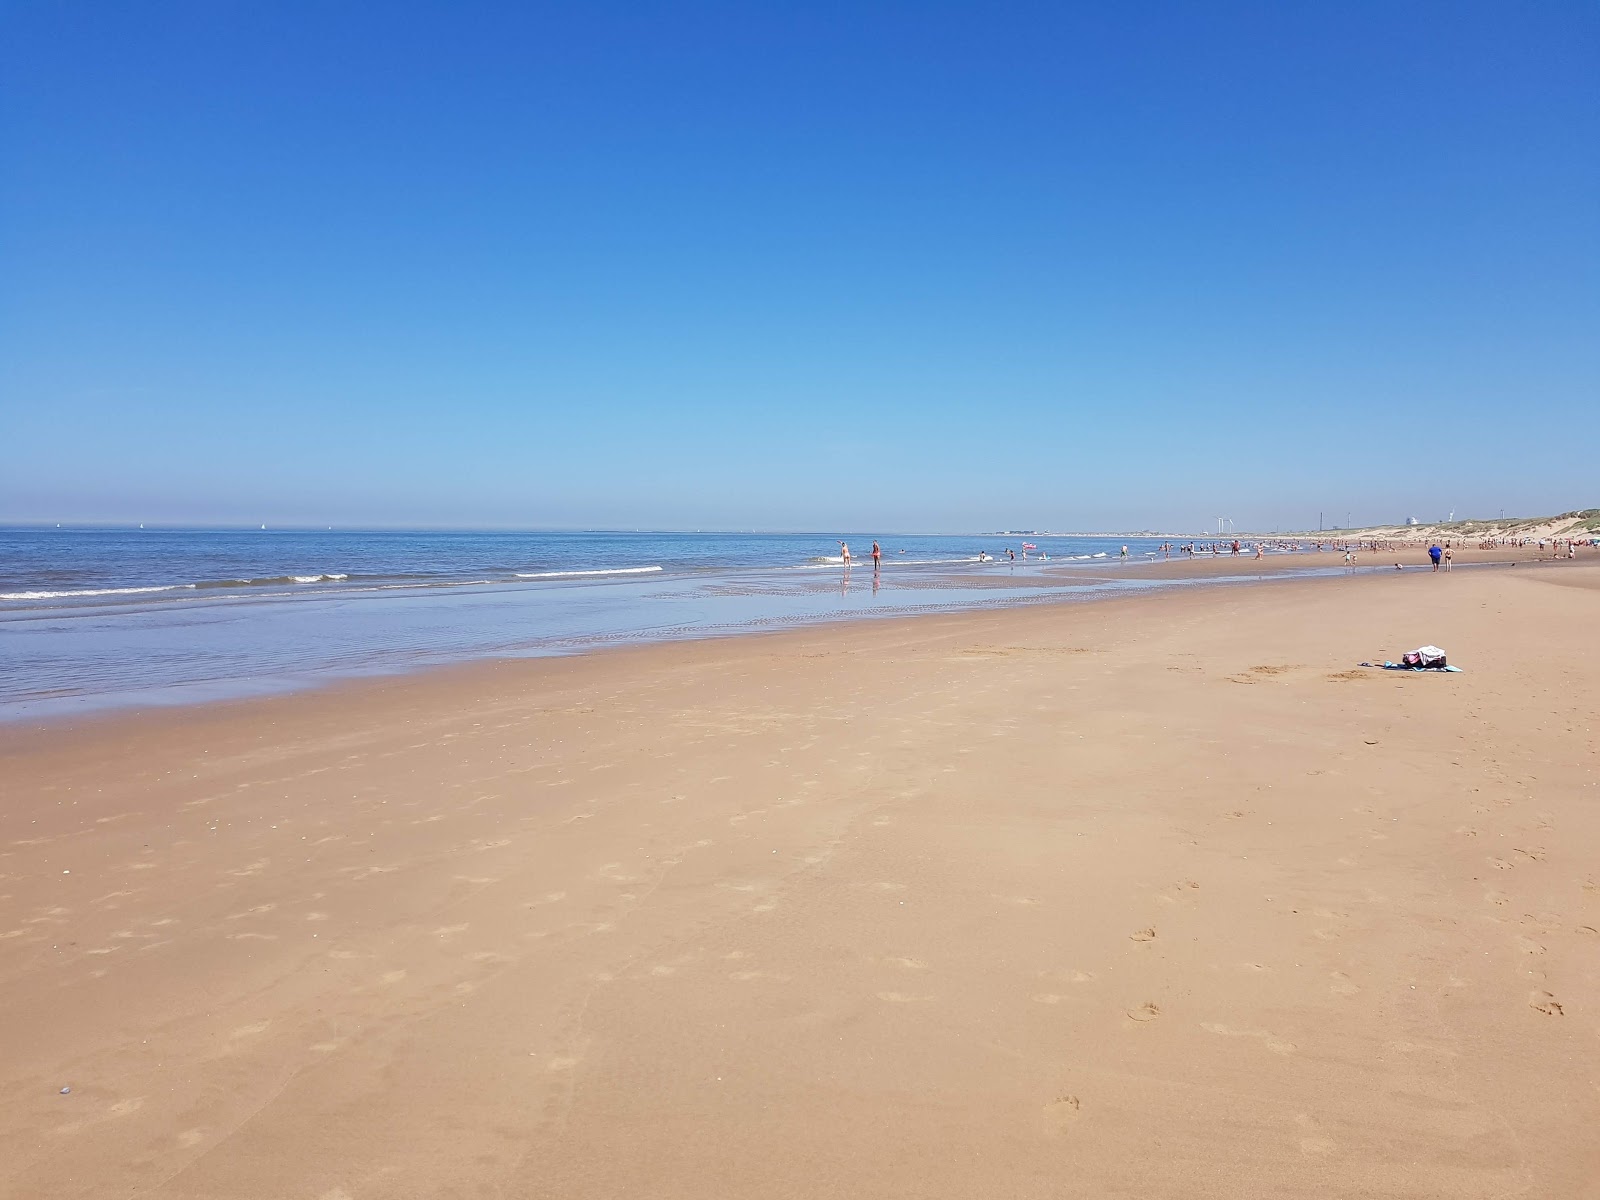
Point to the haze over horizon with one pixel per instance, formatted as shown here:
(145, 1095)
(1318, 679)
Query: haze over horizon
(706, 266)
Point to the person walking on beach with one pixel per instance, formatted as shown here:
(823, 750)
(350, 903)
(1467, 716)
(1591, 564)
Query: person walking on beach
(1435, 553)
(1124, 554)
(1449, 553)
(876, 556)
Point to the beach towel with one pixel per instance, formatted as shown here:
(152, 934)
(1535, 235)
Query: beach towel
(1386, 665)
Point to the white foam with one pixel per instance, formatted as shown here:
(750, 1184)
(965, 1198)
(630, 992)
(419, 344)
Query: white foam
(820, 564)
(318, 578)
(135, 591)
(574, 574)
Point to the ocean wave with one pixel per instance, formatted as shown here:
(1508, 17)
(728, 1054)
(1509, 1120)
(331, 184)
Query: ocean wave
(889, 560)
(574, 574)
(128, 591)
(73, 593)
(267, 581)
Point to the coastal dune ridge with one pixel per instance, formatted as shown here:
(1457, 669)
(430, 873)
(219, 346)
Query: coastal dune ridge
(1157, 894)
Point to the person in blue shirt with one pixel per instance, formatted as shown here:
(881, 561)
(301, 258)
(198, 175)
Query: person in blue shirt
(1435, 553)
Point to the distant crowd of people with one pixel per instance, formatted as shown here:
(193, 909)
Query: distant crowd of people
(1441, 555)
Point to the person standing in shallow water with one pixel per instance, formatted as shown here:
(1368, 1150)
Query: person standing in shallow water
(844, 549)
(876, 555)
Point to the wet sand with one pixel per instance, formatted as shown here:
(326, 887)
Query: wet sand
(1151, 896)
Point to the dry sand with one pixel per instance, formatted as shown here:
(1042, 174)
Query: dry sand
(1148, 897)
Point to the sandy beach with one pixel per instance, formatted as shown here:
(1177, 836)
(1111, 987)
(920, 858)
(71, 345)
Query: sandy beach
(1160, 896)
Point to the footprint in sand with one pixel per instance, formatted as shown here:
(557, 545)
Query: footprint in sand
(1313, 1143)
(1545, 1002)
(1061, 1113)
(1147, 934)
(1145, 1012)
(1276, 1045)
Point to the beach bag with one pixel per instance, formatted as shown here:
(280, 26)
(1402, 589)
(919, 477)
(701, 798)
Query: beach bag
(1425, 656)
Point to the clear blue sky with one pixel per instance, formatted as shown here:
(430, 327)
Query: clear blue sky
(899, 266)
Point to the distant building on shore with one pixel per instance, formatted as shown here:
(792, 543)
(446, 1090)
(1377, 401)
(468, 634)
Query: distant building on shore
(1412, 521)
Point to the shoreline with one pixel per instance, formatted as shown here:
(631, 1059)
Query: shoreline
(919, 592)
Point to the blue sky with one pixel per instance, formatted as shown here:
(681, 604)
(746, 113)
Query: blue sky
(908, 266)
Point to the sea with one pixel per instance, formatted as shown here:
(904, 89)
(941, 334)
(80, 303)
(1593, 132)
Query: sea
(93, 619)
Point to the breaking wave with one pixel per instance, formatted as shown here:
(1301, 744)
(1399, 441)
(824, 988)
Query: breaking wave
(574, 574)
